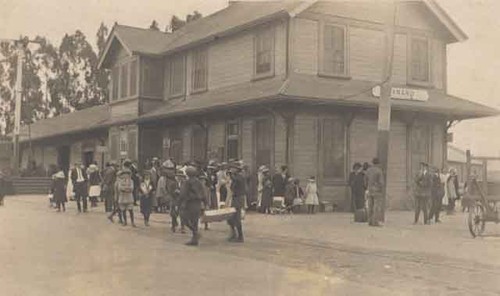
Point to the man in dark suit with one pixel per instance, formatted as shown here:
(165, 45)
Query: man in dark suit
(79, 180)
(238, 189)
(192, 196)
(423, 182)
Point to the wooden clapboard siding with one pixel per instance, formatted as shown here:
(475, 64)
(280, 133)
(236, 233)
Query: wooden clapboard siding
(49, 155)
(125, 108)
(366, 51)
(438, 62)
(247, 142)
(231, 59)
(396, 176)
(305, 152)
(186, 143)
(363, 138)
(305, 46)
(417, 16)
(438, 141)
(399, 65)
(367, 11)
(279, 141)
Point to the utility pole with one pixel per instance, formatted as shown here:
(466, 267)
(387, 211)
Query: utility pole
(384, 107)
(18, 93)
(17, 110)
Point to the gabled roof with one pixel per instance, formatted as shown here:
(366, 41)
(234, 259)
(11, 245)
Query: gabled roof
(236, 17)
(136, 41)
(78, 121)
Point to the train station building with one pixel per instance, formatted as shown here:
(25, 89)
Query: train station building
(273, 83)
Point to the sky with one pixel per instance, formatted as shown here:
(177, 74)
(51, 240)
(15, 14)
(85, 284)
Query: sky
(473, 66)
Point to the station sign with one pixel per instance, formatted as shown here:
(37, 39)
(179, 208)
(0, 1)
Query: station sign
(403, 93)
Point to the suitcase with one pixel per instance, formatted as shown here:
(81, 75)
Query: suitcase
(217, 215)
(360, 216)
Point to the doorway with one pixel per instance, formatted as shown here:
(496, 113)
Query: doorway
(63, 154)
(88, 158)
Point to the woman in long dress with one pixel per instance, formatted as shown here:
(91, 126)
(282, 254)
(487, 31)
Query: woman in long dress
(312, 199)
(267, 191)
(95, 184)
(58, 190)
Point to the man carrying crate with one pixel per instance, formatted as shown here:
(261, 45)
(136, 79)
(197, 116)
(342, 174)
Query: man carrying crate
(191, 197)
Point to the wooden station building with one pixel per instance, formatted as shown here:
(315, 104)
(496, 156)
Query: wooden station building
(274, 83)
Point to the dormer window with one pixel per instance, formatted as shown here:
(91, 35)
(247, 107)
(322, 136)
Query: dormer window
(419, 67)
(333, 59)
(264, 53)
(199, 70)
(177, 68)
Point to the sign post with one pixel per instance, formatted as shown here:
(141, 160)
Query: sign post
(384, 107)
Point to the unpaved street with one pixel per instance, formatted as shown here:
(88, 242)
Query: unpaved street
(47, 253)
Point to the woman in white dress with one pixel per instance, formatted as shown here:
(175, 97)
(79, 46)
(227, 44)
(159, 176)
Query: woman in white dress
(311, 193)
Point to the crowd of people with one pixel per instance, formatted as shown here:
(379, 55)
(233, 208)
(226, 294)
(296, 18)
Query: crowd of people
(433, 191)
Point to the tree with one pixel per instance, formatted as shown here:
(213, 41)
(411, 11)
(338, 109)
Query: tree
(192, 17)
(102, 34)
(154, 26)
(176, 23)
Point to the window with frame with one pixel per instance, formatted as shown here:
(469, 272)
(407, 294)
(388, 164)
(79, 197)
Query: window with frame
(123, 143)
(419, 60)
(199, 70)
(333, 52)
(264, 53)
(333, 149)
(124, 80)
(233, 140)
(177, 76)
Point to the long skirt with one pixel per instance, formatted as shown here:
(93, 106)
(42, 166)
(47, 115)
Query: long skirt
(146, 203)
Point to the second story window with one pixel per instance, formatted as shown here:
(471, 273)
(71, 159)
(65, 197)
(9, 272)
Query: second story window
(177, 76)
(264, 53)
(124, 81)
(199, 70)
(333, 51)
(419, 66)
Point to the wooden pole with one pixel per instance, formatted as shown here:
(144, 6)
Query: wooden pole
(17, 110)
(384, 107)
(468, 171)
(485, 177)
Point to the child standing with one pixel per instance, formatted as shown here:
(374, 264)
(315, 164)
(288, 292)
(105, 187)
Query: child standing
(146, 193)
(311, 195)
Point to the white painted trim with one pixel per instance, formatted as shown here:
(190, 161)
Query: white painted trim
(446, 20)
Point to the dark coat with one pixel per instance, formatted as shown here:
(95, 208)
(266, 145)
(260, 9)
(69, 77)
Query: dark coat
(423, 184)
(267, 192)
(192, 190)
(58, 189)
(279, 184)
(95, 178)
(238, 188)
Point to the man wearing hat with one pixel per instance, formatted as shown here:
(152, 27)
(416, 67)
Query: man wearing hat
(212, 181)
(79, 179)
(423, 182)
(191, 197)
(238, 191)
(108, 182)
(374, 179)
(171, 191)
